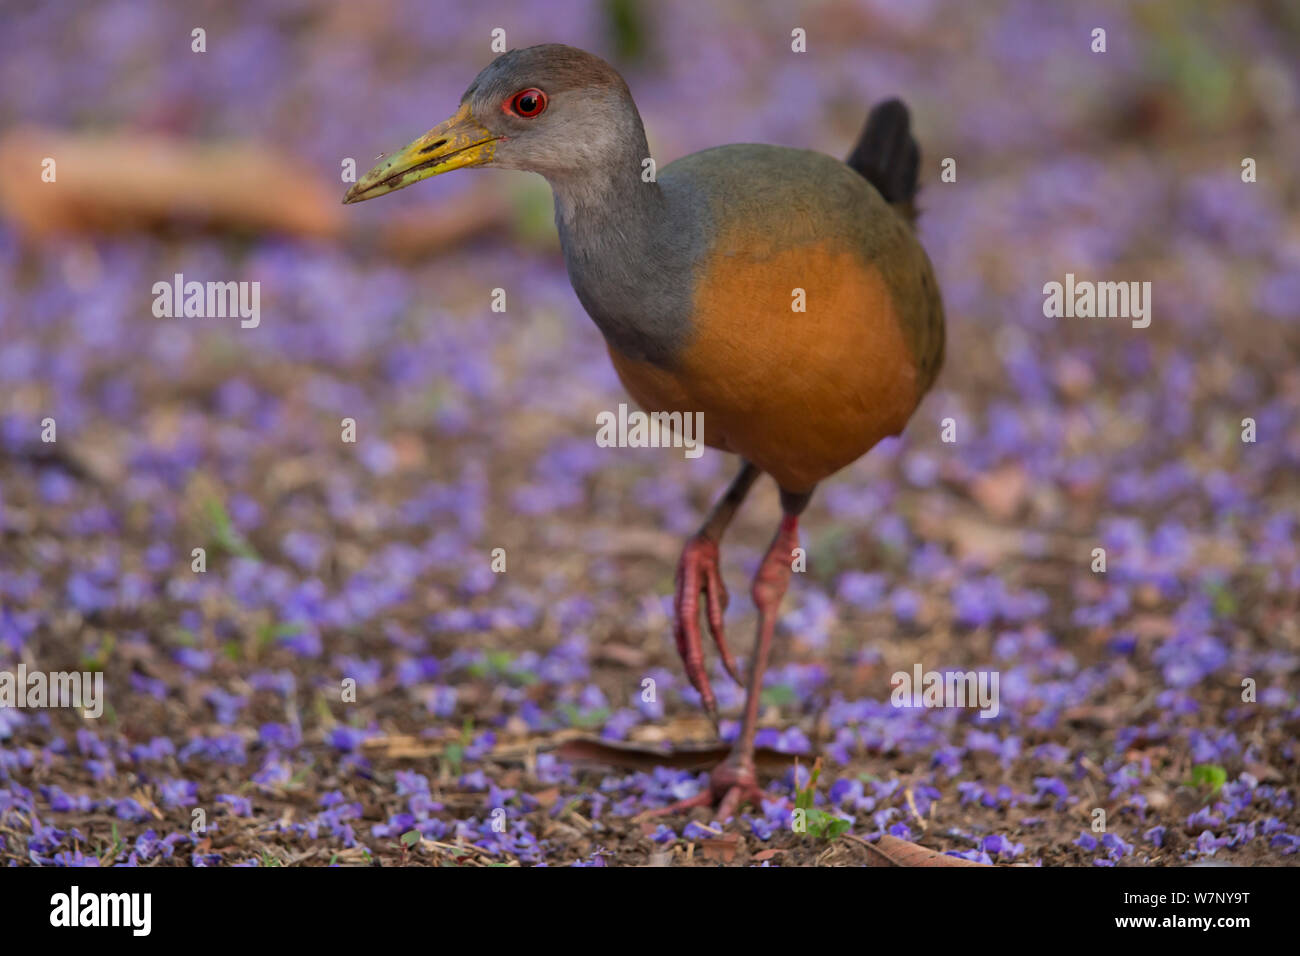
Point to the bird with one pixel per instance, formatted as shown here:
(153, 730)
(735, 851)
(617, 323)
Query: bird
(781, 292)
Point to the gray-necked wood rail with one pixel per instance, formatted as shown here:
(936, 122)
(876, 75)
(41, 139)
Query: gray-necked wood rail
(694, 279)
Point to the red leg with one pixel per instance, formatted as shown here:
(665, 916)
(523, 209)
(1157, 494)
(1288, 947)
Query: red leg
(698, 572)
(734, 782)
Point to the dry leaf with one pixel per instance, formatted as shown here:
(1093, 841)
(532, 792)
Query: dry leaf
(892, 851)
(1001, 491)
(722, 848)
(682, 756)
(547, 798)
(1263, 772)
(128, 180)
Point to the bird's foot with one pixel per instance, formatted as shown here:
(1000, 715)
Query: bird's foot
(732, 784)
(698, 573)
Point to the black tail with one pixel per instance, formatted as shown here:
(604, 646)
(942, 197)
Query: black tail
(888, 156)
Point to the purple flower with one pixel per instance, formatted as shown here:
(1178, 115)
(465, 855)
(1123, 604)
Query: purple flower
(61, 802)
(1115, 847)
(1286, 842)
(178, 793)
(1207, 844)
(193, 659)
(694, 831)
(665, 834)
(1000, 846)
(239, 806)
(863, 590)
(284, 736)
(905, 605)
(303, 549)
(441, 701)
(130, 809)
(347, 739)
(1203, 818)
(1049, 786)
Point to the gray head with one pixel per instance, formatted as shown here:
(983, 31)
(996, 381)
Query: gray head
(550, 109)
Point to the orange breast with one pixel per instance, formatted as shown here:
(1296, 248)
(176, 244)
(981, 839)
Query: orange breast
(799, 394)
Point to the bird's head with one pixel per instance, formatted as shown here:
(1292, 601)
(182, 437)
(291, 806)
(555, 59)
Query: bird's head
(549, 109)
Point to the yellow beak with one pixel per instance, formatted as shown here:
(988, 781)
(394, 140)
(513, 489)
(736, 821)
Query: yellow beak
(457, 143)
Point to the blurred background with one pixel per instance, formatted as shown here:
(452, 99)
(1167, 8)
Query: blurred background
(476, 431)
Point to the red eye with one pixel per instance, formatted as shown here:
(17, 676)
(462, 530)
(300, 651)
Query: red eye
(528, 103)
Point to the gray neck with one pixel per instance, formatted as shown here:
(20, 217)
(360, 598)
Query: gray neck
(627, 255)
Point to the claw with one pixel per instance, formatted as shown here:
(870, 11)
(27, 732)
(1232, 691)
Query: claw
(698, 573)
(702, 799)
(716, 592)
(686, 629)
(730, 787)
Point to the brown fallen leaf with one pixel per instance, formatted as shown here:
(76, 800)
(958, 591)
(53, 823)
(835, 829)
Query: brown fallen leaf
(110, 182)
(1101, 715)
(979, 539)
(1142, 749)
(1000, 492)
(722, 848)
(127, 180)
(143, 798)
(891, 851)
(621, 654)
(1151, 626)
(1157, 799)
(693, 727)
(412, 747)
(546, 798)
(582, 748)
(681, 756)
(1263, 772)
